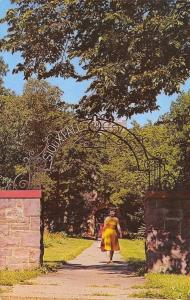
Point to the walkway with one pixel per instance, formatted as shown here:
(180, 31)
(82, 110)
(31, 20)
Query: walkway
(86, 277)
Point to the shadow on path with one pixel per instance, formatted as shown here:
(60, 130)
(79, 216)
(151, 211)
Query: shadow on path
(117, 267)
(131, 267)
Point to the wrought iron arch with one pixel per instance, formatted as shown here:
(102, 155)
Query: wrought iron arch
(102, 131)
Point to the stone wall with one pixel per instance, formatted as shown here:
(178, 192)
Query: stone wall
(167, 218)
(19, 229)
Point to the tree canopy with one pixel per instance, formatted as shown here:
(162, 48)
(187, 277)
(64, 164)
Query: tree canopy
(3, 72)
(130, 51)
(179, 130)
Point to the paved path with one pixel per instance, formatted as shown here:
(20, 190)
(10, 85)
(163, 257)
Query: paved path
(86, 277)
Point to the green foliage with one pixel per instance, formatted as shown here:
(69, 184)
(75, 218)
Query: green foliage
(133, 251)
(179, 129)
(13, 117)
(3, 72)
(25, 121)
(51, 239)
(130, 50)
(10, 278)
(165, 287)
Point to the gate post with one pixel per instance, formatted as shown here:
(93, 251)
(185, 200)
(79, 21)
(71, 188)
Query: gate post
(19, 229)
(167, 219)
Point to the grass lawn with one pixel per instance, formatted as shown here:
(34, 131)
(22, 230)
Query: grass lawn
(133, 252)
(58, 249)
(157, 285)
(165, 286)
(9, 278)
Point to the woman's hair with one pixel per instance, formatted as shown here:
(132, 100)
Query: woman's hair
(112, 209)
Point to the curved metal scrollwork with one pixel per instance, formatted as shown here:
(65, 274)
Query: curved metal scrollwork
(93, 132)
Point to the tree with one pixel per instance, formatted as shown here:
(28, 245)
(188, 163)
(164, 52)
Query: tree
(13, 116)
(129, 50)
(25, 122)
(178, 120)
(46, 112)
(3, 72)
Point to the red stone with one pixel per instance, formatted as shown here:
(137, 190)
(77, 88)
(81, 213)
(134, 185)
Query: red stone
(9, 242)
(32, 239)
(20, 194)
(4, 229)
(35, 223)
(32, 207)
(2, 262)
(19, 266)
(19, 202)
(33, 265)
(2, 214)
(19, 229)
(14, 213)
(17, 260)
(26, 220)
(18, 234)
(6, 203)
(20, 226)
(21, 252)
(5, 252)
(34, 256)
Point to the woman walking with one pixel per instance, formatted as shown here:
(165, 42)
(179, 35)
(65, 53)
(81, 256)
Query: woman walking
(110, 234)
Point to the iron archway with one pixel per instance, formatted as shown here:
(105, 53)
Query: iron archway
(102, 131)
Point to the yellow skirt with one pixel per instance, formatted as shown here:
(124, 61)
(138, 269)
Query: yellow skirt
(110, 240)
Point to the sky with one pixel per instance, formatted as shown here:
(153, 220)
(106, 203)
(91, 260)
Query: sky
(73, 90)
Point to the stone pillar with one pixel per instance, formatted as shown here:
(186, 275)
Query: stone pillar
(167, 219)
(19, 229)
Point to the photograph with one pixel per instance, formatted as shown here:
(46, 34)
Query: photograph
(94, 149)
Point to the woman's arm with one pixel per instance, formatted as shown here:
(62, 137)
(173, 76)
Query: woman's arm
(119, 229)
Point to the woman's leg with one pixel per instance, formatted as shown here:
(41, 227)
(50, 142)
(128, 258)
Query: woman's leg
(111, 255)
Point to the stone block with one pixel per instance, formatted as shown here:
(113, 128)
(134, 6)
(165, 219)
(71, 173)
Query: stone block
(32, 239)
(7, 203)
(19, 203)
(14, 213)
(2, 262)
(9, 242)
(18, 266)
(25, 220)
(19, 233)
(13, 241)
(185, 204)
(2, 214)
(21, 252)
(34, 256)
(32, 207)
(19, 230)
(20, 226)
(35, 223)
(4, 230)
(33, 265)
(151, 204)
(11, 260)
(5, 252)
